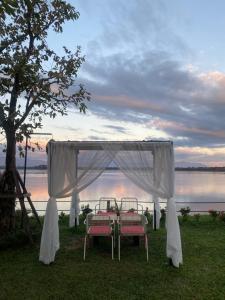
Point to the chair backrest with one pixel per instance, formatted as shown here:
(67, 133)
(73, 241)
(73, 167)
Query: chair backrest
(129, 204)
(131, 220)
(107, 203)
(96, 220)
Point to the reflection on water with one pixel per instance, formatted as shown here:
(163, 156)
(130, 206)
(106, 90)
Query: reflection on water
(189, 187)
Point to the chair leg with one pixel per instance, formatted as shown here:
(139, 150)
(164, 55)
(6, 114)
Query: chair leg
(112, 248)
(146, 245)
(85, 243)
(119, 247)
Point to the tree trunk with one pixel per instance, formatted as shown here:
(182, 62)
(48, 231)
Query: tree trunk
(7, 186)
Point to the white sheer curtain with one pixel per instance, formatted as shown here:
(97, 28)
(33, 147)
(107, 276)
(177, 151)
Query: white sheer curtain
(154, 173)
(60, 183)
(90, 166)
(164, 160)
(63, 181)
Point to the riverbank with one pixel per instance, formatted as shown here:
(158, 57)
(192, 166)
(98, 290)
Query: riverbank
(202, 275)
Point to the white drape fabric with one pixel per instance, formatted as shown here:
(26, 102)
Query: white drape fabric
(60, 183)
(173, 245)
(90, 165)
(154, 173)
(149, 165)
(164, 160)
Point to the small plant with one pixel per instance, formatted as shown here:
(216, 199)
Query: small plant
(185, 212)
(221, 216)
(62, 215)
(86, 210)
(197, 217)
(131, 210)
(214, 214)
(148, 215)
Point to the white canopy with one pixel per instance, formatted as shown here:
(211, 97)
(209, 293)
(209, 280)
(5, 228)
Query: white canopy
(72, 166)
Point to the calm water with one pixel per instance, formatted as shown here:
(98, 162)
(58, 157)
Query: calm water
(194, 187)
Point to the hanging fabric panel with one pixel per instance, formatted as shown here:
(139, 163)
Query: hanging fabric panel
(60, 183)
(90, 166)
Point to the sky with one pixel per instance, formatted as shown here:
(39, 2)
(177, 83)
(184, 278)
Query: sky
(155, 70)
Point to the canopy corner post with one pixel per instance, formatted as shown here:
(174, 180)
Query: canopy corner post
(154, 180)
(76, 173)
(154, 217)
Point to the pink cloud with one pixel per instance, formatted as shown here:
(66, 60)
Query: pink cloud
(179, 127)
(128, 102)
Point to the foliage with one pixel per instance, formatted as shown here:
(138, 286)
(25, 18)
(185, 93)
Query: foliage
(222, 216)
(148, 215)
(185, 212)
(86, 210)
(34, 79)
(19, 238)
(62, 216)
(213, 213)
(8, 6)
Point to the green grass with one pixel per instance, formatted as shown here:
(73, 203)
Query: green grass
(202, 276)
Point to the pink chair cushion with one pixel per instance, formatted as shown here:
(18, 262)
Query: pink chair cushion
(99, 230)
(132, 230)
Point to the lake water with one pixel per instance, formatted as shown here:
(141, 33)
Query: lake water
(191, 189)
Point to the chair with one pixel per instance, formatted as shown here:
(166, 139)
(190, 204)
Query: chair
(130, 204)
(106, 204)
(132, 225)
(98, 226)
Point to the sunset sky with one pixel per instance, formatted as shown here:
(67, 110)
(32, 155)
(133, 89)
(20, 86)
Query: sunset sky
(155, 70)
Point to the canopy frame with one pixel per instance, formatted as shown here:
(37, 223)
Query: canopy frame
(162, 152)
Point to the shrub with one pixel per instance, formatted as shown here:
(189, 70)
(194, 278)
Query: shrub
(148, 215)
(86, 210)
(62, 215)
(185, 212)
(213, 214)
(221, 216)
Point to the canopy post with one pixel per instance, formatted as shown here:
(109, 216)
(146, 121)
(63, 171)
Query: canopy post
(154, 180)
(76, 173)
(154, 218)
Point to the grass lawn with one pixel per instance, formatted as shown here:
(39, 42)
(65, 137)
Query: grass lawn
(202, 275)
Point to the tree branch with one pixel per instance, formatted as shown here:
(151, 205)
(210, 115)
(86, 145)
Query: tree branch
(26, 113)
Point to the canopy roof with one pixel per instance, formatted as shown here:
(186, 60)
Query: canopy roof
(127, 145)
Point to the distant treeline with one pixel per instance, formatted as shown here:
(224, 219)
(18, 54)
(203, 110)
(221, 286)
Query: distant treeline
(40, 167)
(199, 169)
(202, 169)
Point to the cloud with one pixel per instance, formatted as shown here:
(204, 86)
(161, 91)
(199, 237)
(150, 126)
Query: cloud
(96, 138)
(115, 128)
(137, 72)
(163, 95)
(214, 156)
